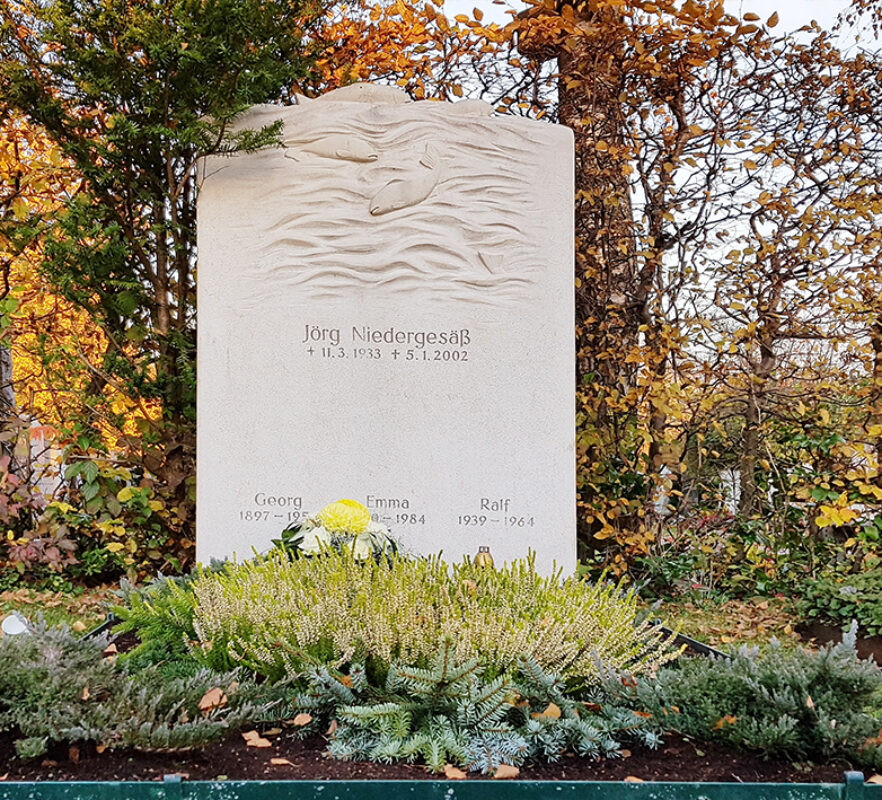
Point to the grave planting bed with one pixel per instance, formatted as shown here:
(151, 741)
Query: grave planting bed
(676, 760)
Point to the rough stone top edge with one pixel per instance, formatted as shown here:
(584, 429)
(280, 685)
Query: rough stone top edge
(380, 96)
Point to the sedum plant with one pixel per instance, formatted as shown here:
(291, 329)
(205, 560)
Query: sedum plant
(447, 713)
(277, 613)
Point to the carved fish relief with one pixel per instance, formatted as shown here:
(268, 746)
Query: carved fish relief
(336, 145)
(372, 93)
(412, 189)
(470, 108)
(491, 261)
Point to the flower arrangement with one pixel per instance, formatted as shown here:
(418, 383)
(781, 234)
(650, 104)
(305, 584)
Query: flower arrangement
(342, 526)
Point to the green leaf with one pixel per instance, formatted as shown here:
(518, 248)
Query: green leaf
(90, 471)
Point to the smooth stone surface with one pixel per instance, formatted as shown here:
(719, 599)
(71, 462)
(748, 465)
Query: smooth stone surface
(14, 625)
(386, 314)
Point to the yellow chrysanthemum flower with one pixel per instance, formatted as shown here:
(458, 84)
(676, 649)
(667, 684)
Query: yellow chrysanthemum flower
(344, 516)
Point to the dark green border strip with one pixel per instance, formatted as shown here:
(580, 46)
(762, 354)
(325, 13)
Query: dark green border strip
(173, 788)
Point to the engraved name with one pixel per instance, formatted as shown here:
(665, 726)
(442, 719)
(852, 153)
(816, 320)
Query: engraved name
(282, 501)
(387, 502)
(366, 334)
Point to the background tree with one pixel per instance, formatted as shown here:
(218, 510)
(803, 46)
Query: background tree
(132, 97)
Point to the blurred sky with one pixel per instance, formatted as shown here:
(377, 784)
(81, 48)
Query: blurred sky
(793, 14)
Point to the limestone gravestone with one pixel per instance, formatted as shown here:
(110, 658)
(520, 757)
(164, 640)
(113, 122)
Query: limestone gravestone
(386, 314)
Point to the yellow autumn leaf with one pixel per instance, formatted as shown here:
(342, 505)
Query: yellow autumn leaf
(552, 711)
(114, 547)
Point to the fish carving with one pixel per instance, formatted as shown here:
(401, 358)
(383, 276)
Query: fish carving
(371, 93)
(412, 189)
(336, 145)
(470, 108)
(492, 261)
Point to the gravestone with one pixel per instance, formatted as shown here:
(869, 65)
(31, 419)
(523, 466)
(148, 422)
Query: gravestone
(386, 314)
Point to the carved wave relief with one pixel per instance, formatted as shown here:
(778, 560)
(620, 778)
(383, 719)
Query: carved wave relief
(408, 197)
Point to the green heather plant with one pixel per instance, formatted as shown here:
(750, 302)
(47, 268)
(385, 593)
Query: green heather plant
(787, 703)
(275, 614)
(55, 687)
(446, 713)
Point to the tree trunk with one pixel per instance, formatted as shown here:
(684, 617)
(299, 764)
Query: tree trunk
(7, 389)
(607, 316)
(875, 399)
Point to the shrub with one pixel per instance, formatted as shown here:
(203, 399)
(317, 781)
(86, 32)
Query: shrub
(840, 599)
(789, 703)
(57, 688)
(275, 613)
(447, 713)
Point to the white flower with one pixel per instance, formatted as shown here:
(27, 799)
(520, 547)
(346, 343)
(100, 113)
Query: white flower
(377, 528)
(362, 546)
(313, 539)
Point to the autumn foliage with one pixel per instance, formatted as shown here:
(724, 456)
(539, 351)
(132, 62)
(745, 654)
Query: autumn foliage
(729, 320)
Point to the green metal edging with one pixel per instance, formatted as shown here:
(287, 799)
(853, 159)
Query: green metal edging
(173, 788)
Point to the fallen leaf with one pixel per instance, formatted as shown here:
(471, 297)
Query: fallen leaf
(272, 732)
(302, 719)
(625, 753)
(110, 651)
(809, 702)
(593, 707)
(79, 626)
(505, 771)
(4, 776)
(85, 694)
(643, 714)
(212, 699)
(254, 739)
(723, 721)
(100, 748)
(874, 779)
(454, 773)
(552, 711)
(73, 753)
(633, 779)
(332, 728)
(281, 762)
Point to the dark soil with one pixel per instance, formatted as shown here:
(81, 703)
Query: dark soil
(678, 760)
(821, 633)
